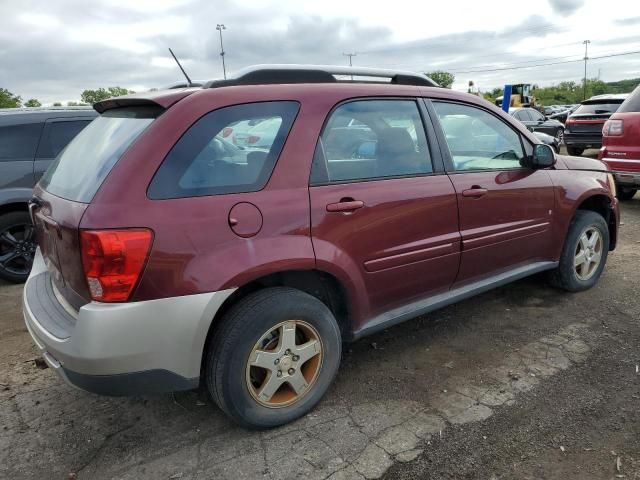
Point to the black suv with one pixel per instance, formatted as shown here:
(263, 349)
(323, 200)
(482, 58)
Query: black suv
(30, 138)
(583, 128)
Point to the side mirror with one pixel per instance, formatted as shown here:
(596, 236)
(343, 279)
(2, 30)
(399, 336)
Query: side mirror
(543, 156)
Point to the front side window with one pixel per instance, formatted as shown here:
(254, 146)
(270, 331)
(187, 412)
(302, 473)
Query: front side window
(522, 116)
(478, 140)
(230, 150)
(19, 142)
(369, 139)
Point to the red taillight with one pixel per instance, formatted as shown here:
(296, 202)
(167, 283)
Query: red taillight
(252, 139)
(113, 261)
(226, 131)
(613, 128)
(570, 121)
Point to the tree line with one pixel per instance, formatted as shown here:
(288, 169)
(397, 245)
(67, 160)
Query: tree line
(87, 97)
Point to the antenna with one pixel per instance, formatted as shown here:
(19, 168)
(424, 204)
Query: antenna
(189, 82)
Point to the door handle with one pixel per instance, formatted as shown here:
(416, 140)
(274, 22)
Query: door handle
(345, 205)
(475, 192)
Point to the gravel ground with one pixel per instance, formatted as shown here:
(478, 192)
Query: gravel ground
(524, 382)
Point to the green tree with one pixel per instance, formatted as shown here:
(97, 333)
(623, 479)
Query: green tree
(8, 99)
(442, 78)
(32, 102)
(93, 96)
(57, 104)
(493, 94)
(76, 104)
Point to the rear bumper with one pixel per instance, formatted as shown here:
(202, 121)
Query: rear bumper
(579, 140)
(119, 349)
(627, 179)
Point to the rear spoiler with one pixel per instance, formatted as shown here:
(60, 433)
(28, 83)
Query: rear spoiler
(163, 99)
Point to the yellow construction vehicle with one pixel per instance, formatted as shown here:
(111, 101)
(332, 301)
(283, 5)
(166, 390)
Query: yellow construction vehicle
(520, 96)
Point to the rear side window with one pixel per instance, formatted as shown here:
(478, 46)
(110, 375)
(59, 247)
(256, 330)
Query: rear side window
(632, 103)
(57, 135)
(79, 170)
(19, 142)
(369, 139)
(230, 150)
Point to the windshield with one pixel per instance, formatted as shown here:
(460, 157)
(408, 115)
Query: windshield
(79, 170)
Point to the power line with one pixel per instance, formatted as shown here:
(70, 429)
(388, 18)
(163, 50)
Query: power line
(497, 37)
(499, 65)
(547, 64)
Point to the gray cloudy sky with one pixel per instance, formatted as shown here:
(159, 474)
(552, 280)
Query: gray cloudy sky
(52, 50)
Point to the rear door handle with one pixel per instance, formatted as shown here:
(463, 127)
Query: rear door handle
(345, 205)
(475, 192)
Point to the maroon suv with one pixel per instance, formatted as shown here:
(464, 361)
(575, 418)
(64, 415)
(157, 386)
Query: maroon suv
(238, 233)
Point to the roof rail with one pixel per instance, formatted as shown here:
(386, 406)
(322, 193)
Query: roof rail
(292, 73)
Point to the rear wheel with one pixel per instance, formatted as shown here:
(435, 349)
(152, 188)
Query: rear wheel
(626, 193)
(584, 254)
(559, 136)
(273, 357)
(574, 151)
(17, 246)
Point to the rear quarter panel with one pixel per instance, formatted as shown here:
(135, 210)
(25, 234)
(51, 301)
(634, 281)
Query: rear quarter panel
(621, 151)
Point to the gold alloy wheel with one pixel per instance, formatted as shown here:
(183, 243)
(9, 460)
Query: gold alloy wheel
(284, 364)
(588, 254)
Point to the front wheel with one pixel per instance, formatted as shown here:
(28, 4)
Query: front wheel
(574, 151)
(273, 357)
(584, 254)
(626, 193)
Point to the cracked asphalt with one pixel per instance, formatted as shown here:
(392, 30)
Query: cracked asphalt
(524, 382)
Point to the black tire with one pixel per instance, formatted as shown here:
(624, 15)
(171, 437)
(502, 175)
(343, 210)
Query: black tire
(574, 151)
(559, 136)
(626, 193)
(12, 225)
(235, 337)
(565, 275)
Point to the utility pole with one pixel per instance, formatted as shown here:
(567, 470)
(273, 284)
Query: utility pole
(220, 27)
(350, 55)
(586, 57)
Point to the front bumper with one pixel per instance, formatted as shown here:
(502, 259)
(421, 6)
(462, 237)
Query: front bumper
(120, 348)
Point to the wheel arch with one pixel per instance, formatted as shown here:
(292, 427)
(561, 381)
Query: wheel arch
(601, 204)
(320, 284)
(14, 207)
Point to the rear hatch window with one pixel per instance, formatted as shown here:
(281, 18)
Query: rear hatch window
(632, 103)
(604, 108)
(78, 171)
